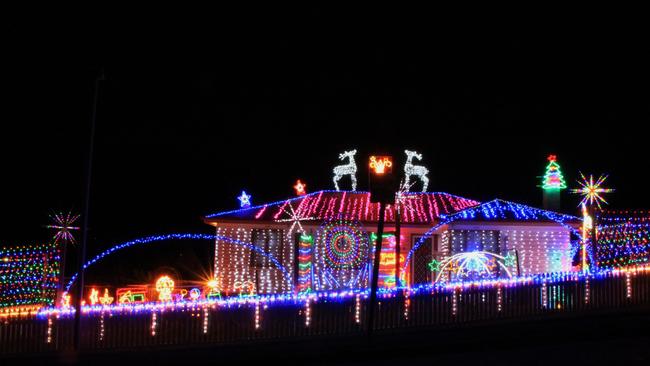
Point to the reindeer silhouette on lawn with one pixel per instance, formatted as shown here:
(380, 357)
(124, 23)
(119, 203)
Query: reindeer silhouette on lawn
(348, 169)
(418, 170)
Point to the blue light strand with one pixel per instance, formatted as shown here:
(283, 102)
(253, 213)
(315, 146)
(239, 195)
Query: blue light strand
(150, 239)
(340, 295)
(252, 208)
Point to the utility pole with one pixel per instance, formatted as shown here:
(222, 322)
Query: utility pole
(398, 242)
(382, 190)
(375, 268)
(84, 238)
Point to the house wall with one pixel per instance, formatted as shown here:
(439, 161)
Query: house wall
(540, 247)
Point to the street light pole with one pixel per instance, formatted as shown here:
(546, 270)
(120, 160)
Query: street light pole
(375, 268)
(84, 240)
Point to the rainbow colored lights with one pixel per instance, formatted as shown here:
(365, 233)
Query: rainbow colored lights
(591, 191)
(29, 275)
(622, 238)
(305, 267)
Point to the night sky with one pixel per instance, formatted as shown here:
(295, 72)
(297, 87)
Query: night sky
(188, 119)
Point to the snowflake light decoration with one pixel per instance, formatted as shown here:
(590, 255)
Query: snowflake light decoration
(295, 218)
(592, 191)
(64, 224)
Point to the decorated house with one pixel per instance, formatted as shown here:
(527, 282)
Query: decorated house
(324, 240)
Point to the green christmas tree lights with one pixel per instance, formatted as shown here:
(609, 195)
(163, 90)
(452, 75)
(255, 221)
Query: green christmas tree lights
(553, 178)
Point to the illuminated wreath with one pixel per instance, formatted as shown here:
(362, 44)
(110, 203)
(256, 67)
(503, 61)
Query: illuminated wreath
(343, 243)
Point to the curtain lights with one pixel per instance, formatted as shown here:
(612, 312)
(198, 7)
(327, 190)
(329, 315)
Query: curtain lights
(29, 275)
(553, 178)
(347, 169)
(417, 170)
(622, 239)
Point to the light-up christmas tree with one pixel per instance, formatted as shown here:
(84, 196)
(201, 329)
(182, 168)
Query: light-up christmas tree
(553, 182)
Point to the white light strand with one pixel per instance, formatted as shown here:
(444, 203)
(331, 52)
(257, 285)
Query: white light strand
(154, 323)
(407, 305)
(49, 330)
(454, 301)
(307, 312)
(257, 315)
(357, 309)
(499, 299)
(206, 314)
(628, 284)
(587, 291)
(544, 295)
(101, 326)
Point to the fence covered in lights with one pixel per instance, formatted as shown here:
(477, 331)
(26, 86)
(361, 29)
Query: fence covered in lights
(247, 318)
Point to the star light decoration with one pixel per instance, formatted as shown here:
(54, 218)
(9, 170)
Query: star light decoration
(591, 191)
(64, 225)
(509, 260)
(301, 188)
(244, 200)
(434, 265)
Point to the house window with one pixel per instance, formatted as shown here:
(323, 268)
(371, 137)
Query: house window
(428, 251)
(267, 241)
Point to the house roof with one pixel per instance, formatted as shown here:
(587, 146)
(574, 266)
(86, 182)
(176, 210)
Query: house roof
(500, 210)
(419, 208)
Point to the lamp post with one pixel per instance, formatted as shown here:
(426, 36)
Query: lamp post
(84, 237)
(382, 190)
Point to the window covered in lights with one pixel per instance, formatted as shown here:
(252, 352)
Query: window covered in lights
(474, 240)
(427, 252)
(268, 241)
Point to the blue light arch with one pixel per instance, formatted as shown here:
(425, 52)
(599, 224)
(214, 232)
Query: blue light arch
(166, 237)
(495, 210)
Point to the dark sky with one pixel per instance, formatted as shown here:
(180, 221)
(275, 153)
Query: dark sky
(191, 115)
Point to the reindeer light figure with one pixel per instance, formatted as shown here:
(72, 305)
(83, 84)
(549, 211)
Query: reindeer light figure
(418, 170)
(347, 169)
